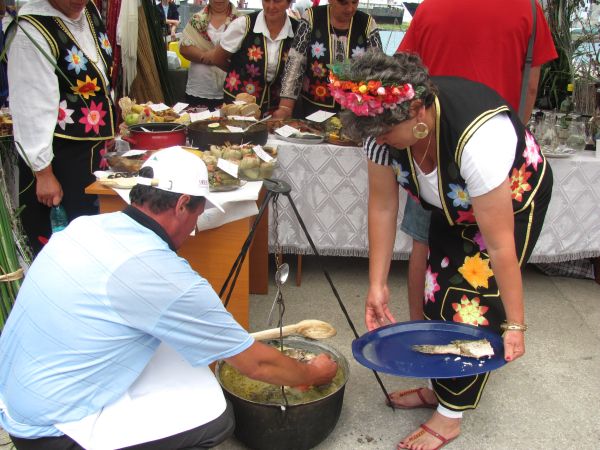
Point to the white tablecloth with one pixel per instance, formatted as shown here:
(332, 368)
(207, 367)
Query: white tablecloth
(329, 188)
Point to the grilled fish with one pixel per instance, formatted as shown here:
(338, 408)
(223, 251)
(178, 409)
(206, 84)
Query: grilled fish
(472, 349)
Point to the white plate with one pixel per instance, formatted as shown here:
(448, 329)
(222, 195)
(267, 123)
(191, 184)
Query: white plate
(313, 139)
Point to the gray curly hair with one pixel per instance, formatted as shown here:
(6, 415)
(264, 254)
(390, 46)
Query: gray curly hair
(398, 69)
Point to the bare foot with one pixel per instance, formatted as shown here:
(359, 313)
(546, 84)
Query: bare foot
(421, 439)
(414, 398)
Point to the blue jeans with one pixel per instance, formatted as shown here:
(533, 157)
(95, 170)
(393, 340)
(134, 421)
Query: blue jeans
(416, 220)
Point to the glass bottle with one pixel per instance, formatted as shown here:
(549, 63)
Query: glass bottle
(58, 218)
(566, 106)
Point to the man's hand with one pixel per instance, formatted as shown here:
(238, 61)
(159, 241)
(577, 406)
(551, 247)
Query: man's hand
(324, 368)
(377, 312)
(47, 188)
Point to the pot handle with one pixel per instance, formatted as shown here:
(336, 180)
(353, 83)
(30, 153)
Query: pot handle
(132, 142)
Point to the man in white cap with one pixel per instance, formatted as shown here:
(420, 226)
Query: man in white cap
(80, 362)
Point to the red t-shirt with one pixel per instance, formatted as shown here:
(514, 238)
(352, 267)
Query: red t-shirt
(483, 41)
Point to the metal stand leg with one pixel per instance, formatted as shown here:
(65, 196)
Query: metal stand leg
(274, 188)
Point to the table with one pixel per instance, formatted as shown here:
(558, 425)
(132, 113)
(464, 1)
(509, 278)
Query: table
(210, 253)
(330, 190)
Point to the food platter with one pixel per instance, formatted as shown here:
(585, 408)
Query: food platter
(389, 349)
(309, 132)
(563, 154)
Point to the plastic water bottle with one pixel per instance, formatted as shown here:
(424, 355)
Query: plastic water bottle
(58, 218)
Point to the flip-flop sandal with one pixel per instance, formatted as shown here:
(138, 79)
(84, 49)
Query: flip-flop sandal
(444, 441)
(424, 403)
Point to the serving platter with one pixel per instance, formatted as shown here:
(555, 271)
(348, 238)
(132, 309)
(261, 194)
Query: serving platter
(389, 349)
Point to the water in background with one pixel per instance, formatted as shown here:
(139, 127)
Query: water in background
(390, 40)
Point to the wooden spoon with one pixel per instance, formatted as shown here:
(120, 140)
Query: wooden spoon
(313, 329)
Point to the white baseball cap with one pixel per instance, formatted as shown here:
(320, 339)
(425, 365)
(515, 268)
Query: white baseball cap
(177, 170)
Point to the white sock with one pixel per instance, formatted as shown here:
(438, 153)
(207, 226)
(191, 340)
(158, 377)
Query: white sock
(449, 413)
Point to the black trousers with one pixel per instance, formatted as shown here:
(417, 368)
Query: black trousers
(208, 435)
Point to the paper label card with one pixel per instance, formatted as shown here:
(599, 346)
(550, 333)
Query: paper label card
(133, 153)
(286, 131)
(158, 107)
(234, 129)
(320, 116)
(262, 154)
(178, 107)
(243, 118)
(194, 117)
(228, 167)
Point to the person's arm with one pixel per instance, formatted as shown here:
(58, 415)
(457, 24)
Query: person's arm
(383, 215)
(293, 74)
(266, 363)
(34, 98)
(215, 57)
(494, 214)
(531, 94)
(417, 268)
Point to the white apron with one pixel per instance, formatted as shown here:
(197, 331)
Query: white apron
(169, 397)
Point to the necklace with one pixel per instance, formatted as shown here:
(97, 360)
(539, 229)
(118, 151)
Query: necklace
(426, 149)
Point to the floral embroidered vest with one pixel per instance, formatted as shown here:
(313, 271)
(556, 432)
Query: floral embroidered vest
(462, 107)
(248, 68)
(86, 111)
(319, 54)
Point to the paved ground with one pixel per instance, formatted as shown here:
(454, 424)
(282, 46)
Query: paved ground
(547, 400)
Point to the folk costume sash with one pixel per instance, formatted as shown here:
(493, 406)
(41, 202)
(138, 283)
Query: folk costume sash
(462, 106)
(321, 52)
(248, 68)
(86, 111)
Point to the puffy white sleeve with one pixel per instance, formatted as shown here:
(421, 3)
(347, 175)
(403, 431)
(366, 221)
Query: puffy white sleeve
(488, 156)
(34, 96)
(231, 40)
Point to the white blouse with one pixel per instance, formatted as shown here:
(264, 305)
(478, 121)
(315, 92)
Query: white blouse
(34, 94)
(233, 37)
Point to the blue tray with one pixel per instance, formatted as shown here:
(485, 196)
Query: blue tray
(388, 349)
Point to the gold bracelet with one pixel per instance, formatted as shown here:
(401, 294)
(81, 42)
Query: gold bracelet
(513, 326)
(286, 107)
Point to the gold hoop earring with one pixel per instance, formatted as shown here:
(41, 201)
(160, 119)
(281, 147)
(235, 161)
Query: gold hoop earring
(420, 130)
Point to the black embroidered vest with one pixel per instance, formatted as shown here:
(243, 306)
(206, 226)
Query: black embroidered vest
(248, 68)
(320, 53)
(462, 107)
(86, 111)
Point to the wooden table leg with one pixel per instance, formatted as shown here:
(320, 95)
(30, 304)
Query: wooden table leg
(259, 253)
(596, 265)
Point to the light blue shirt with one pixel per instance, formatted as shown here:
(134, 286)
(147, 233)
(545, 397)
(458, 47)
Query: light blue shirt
(92, 310)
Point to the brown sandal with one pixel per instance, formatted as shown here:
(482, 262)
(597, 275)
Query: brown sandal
(424, 403)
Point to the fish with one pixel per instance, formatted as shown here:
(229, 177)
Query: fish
(472, 349)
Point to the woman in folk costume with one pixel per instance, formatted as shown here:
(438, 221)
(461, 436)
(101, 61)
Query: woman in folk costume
(62, 109)
(203, 32)
(459, 149)
(326, 34)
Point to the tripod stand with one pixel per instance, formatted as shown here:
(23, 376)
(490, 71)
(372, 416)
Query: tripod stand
(275, 188)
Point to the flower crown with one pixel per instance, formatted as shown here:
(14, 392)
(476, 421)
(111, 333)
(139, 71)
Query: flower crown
(367, 98)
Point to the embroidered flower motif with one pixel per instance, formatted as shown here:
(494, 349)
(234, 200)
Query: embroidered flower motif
(253, 70)
(64, 115)
(255, 53)
(93, 117)
(518, 182)
(358, 51)
(318, 70)
(478, 238)
(319, 91)
(401, 175)
(459, 195)
(445, 262)
(105, 43)
(466, 216)
(87, 88)
(317, 50)
(76, 59)
(469, 311)
(103, 161)
(252, 87)
(476, 271)
(431, 285)
(532, 151)
(232, 81)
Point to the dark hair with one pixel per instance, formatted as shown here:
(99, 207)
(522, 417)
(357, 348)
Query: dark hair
(401, 68)
(158, 200)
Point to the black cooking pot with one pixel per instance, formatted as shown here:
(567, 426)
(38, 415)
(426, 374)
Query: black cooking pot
(295, 427)
(154, 136)
(204, 133)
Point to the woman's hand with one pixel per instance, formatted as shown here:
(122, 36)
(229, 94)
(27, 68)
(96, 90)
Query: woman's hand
(514, 344)
(282, 113)
(377, 312)
(47, 188)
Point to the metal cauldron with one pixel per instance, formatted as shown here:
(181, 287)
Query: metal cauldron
(295, 427)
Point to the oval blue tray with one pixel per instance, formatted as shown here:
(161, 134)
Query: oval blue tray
(388, 349)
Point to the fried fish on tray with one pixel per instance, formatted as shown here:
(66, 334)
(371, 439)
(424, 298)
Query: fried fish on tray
(471, 349)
